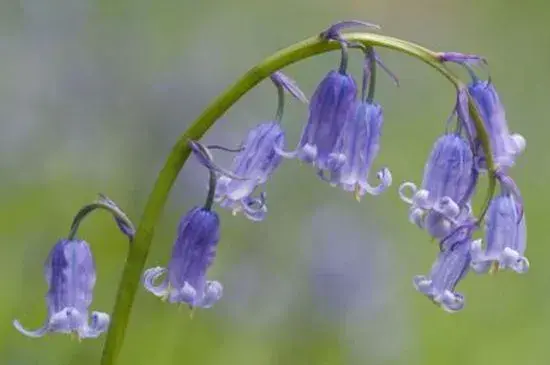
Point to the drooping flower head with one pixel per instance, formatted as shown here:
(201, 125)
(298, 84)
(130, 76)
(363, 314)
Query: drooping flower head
(505, 236)
(256, 160)
(71, 276)
(451, 266)
(359, 140)
(328, 109)
(442, 202)
(358, 146)
(505, 146)
(193, 252)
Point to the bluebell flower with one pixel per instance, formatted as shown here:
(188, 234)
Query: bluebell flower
(192, 254)
(506, 237)
(71, 276)
(357, 148)
(256, 161)
(328, 110)
(505, 146)
(451, 266)
(443, 202)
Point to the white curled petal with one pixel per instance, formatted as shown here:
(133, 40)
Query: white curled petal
(308, 153)
(447, 207)
(479, 263)
(416, 216)
(512, 259)
(437, 225)
(519, 143)
(67, 320)
(407, 186)
(422, 199)
(213, 291)
(34, 334)
(385, 178)
(521, 266)
(99, 324)
(285, 154)
(150, 276)
(187, 294)
(423, 284)
(450, 302)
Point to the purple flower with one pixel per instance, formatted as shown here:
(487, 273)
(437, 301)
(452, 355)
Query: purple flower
(70, 274)
(506, 237)
(505, 146)
(328, 110)
(450, 267)
(443, 201)
(357, 148)
(256, 161)
(192, 254)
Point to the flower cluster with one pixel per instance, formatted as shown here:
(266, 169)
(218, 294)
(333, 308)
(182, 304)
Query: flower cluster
(340, 141)
(442, 204)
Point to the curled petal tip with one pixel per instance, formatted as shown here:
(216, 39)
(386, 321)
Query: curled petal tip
(34, 334)
(150, 276)
(402, 191)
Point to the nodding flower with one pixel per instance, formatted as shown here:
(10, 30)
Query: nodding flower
(505, 236)
(256, 160)
(71, 276)
(443, 202)
(505, 147)
(451, 266)
(359, 141)
(193, 253)
(329, 107)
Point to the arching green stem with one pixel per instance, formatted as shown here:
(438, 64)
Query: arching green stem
(180, 152)
(100, 204)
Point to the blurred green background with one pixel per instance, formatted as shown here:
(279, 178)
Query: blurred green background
(94, 93)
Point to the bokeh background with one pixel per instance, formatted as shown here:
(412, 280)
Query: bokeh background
(93, 93)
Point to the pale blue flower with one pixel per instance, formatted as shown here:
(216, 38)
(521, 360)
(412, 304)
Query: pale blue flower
(71, 276)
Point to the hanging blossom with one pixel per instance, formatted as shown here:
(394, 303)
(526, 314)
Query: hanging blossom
(442, 204)
(451, 266)
(505, 147)
(257, 159)
(193, 253)
(505, 236)
(329, 108)
(359, 141)
(71, 276)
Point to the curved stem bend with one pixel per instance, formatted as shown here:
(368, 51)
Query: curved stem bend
(180, 152)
